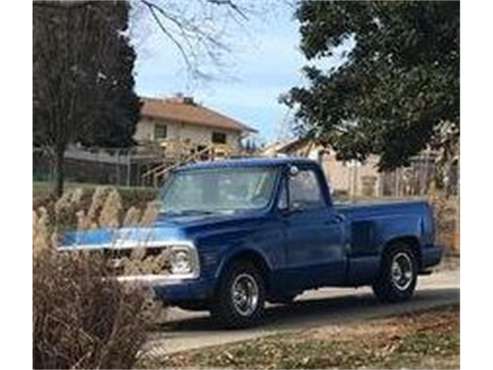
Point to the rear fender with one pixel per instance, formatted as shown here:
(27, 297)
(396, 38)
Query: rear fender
(399, 228)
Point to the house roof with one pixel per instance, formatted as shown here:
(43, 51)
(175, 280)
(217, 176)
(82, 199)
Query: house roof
(287, 147)
(185, 110)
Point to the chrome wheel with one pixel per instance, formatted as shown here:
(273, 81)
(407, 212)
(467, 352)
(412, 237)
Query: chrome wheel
(245, 294)
(401, 271)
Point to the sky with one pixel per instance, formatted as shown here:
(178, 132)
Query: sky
(264, 62)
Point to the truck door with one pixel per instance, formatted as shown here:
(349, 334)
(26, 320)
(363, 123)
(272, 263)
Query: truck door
(314, 234)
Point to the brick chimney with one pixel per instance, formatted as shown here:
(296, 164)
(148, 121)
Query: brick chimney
(182, 99)
(188, 100)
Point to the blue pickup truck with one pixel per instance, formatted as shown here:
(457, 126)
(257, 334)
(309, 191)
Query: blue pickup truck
(239, 233)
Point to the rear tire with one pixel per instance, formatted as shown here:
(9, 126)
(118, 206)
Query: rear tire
(240, 297)
(398, 274)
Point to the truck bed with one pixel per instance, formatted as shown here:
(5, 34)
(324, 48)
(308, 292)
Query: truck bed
(373, 225)
(363, 209)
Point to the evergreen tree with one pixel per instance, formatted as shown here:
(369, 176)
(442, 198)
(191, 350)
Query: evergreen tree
(82, 77)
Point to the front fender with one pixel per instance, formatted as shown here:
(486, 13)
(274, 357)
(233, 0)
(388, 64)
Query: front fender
(238, 252)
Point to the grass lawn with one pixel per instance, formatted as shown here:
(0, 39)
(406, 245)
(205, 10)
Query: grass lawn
(428, 339)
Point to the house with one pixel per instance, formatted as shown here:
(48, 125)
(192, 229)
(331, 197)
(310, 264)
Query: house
(181, 127)
(345, 177)
(362, 179)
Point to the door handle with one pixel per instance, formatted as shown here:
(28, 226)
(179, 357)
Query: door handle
(336, 219)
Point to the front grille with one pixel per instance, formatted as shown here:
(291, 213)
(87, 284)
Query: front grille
(137, 261)
(117, 253)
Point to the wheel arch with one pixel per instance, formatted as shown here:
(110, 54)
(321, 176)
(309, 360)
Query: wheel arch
(250, 255)
(411, 241)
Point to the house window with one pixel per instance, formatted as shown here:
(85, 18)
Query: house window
(219, 138)
(160, 131)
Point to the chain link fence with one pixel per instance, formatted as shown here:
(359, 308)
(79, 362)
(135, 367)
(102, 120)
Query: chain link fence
(109, 166)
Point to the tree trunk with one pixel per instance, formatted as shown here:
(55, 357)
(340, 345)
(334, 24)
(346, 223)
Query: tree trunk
(59, 172)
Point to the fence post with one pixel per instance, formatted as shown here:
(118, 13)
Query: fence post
(128, 168)
(396, 191)
(427, 167)
(117, 166)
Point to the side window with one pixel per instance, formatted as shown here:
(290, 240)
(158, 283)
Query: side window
(304, 191)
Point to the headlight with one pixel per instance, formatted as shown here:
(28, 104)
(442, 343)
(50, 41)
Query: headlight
(184, 261)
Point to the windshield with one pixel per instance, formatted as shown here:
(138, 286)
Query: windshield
(218, 190)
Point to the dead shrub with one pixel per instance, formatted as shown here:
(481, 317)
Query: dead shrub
(446, 214)
(137, 197)
(82, 317)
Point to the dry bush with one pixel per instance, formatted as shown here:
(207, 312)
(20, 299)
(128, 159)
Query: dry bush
(82, 317)
(446, 214)
(137, 197)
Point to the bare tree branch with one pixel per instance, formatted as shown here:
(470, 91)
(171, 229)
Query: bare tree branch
(232, 5)
(194, 29)
(152, 8)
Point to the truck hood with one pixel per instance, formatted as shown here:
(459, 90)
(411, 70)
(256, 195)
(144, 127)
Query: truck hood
(165, 228)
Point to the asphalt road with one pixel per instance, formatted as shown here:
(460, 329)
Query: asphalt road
(185, 330)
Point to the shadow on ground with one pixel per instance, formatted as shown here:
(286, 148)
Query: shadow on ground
(322, 311)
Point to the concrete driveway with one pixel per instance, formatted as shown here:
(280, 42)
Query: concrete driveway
(186, 330)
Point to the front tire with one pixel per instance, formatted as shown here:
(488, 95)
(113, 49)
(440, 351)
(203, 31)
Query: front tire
(398, 274)
(240, 297)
